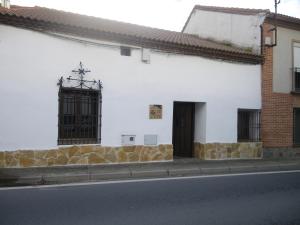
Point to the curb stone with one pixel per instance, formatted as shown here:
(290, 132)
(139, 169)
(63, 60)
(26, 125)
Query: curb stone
(61, 175)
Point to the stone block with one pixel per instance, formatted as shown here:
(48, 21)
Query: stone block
(157, 157)
(61, 160)
(2, 163)
(94, 159)
(133, 157)
(26, 154)
(1, 156)
(40, 154)
(129, 149)
(73, 160)
(27, 162)
(26, 158)
(72, 151)
(144, 157)
(122, 156)
(51, 154)
(235, 154)
(110, 155)
(51, 161)
(169, 154)
(87, 150)
(41, 162)
(11, 160)
(259, 153)
(83, 161)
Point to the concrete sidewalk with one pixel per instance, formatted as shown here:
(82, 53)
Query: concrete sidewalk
(178, 167)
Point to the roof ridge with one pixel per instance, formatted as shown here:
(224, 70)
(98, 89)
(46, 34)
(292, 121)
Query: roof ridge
(207, 7)
(110, 20)
(143, 26)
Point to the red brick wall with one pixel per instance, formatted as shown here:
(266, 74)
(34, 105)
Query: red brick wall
(277, 108)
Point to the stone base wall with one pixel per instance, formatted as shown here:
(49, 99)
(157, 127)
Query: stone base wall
(85, 155)
(217, 151)
(281, 153)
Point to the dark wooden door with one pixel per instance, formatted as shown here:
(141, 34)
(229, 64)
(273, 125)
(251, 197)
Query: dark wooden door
(183, 128)
(297, 126)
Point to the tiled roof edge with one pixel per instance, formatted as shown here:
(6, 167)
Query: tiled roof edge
(25, 22)
(284, 21)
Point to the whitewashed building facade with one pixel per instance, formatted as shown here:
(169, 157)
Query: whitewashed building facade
(162, 93)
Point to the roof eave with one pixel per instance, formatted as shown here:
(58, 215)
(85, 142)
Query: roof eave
(38, 25)
(289, 23)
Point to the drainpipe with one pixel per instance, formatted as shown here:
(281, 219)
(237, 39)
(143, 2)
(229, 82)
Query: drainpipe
(261, 39)
(274, 29)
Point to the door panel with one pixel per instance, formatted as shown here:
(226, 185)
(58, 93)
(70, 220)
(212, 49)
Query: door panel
(183, 129)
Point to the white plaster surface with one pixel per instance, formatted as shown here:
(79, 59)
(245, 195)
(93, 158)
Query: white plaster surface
(200, 122)
(31, 64)
(240, 30)
(283, 59)
(296, 53)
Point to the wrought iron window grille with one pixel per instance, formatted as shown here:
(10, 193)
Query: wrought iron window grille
(249, 125)
(80, 109)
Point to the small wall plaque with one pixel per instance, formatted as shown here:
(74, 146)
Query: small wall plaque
(155, 112)
(150, 139)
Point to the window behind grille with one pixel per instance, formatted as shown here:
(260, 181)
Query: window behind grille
(78, 116)
(248, 125)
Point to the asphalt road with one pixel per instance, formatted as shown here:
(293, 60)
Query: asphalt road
(252, 199)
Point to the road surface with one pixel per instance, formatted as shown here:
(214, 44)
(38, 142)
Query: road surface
(262, 199)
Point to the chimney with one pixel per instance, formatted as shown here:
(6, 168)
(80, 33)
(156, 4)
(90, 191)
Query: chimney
(5, 3)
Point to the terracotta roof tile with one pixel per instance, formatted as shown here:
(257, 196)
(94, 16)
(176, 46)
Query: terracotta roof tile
(232, 10)
(284, 21)
(159, 36)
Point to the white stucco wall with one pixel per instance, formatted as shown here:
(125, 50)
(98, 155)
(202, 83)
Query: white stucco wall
(283, 59)
(200, 122)
(31, 64)
(240, 30)
(296, 54)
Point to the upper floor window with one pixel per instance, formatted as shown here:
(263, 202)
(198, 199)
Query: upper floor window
(126, 51)
(248, 125)
(296, 67)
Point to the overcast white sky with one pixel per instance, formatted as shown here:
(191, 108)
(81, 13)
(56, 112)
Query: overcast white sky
(165, 14)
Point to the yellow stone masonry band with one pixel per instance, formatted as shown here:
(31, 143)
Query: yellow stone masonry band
(96, 154)
(84, 155)
(216, 151)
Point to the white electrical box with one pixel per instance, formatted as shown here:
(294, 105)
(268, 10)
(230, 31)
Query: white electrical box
(128, 139)
(150, 139)
(146, 55)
